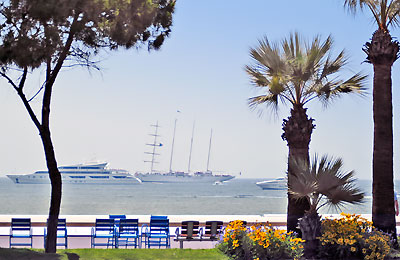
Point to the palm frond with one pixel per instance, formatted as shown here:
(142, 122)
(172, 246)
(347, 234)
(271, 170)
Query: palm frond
(257, 77)
(269, 100)
(394, 13)
(385, 13)
(323, 178)
(333, 66)
(333, 89)
(298, 72)
(301, 186)
(301, 182)
(346, 194)
(269, 57)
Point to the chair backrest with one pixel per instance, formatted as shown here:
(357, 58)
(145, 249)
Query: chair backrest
(61, 225)
(213, 228)
(129, 226)
(104, 224)
(20, 224)
(117, 219)
(117, 216)
(158, 217)
(159, 225)
(190, 228)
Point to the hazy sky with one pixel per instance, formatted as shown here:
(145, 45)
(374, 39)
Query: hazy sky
(199, 71)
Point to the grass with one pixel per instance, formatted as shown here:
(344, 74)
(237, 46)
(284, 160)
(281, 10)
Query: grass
(113, 254)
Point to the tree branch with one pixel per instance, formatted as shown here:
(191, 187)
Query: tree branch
(22, 96)
(51, 75)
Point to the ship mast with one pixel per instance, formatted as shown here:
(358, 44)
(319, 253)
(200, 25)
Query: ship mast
(154, 145)
(191, 146)
(172, 147)
(209, 151)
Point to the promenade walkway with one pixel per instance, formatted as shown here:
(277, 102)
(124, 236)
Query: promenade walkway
(79, 226)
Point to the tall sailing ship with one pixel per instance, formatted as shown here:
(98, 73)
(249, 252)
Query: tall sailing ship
(175, 176)
(92, 173)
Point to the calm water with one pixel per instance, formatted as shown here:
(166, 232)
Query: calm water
(240, 196)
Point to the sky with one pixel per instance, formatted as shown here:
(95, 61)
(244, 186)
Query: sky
(199, 71)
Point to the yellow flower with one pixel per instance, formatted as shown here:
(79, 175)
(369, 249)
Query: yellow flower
(353, 249)
(235, 243)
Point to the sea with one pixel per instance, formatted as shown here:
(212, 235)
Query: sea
(235, 197)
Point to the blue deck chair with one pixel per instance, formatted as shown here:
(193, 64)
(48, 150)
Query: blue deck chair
(103, 229)
(128, 233)
(20, 230)
(61, 233)
(158, 217)
(158, 232)
(117, 218)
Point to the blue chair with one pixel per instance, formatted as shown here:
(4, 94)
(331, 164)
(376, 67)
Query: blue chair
(158, 232)
(61, 233)
(117, 218)
(128, 233)
(103, 229)
(158, 217)
(20, 229)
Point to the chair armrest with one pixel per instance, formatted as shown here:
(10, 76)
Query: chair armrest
(201, 232)
(177, 232)
(146, 229)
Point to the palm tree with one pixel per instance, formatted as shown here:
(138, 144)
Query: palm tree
(298, 73)
(321, 183)
(382, 52)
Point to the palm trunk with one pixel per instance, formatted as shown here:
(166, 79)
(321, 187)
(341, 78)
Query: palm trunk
(56, 186)
(297, 131)
(310, 226)
(382, 52)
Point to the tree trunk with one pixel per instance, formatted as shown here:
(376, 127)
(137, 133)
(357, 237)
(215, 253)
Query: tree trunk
(382, 52)
(297, 131)
(56, 186)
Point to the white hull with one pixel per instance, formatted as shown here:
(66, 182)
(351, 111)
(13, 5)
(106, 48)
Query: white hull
(277, 184)
(25, 179)
(181, 178)
(80, 174)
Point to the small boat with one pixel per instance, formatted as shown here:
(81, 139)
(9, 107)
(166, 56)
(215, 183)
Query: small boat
(275, 184)
(92, 173)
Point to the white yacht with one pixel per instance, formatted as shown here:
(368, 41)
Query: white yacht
(178, 176)
(92, 173)
(183, 177)
(276, 184)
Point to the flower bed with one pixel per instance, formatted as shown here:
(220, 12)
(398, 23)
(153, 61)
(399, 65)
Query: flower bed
(348, 237)
(259, 242)
(352, 236)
